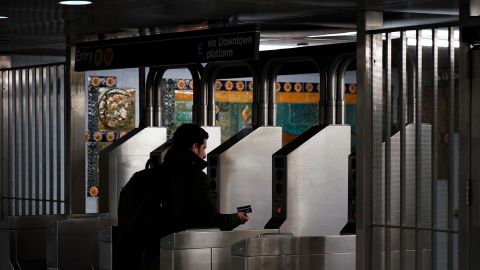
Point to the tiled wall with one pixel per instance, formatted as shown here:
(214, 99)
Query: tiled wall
(111, 114)
(297, 105)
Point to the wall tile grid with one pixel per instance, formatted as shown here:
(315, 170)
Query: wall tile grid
(111, 115)
(297, 105)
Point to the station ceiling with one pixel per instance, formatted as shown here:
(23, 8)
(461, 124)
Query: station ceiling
(43, 27)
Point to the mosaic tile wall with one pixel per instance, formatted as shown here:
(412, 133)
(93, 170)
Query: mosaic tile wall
(297, 105)
(111, 114)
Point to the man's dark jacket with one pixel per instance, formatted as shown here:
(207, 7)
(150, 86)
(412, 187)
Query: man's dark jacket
(172, 198)
(190, 203)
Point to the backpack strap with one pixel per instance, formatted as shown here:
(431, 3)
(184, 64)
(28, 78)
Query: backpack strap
(149, 164)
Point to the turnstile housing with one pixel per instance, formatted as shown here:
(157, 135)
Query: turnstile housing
(240, 173)
(203, 249)
(310, 182)
(73, 243)
(120, 160)
(286, 252)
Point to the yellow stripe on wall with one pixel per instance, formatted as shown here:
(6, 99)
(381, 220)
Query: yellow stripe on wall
(183, 95)
(234, 97)
(282, 97)
(247, 97)
(350, 99)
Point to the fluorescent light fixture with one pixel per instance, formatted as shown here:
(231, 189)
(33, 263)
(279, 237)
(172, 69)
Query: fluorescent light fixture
(3, 17)
(349, 34)
(75, 3)
(264, 47)
(442, 38)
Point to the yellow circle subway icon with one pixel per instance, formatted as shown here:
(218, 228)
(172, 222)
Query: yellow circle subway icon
(108, 57)
(98, 58)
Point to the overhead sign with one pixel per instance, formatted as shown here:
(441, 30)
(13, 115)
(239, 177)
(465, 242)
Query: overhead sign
(226, 44)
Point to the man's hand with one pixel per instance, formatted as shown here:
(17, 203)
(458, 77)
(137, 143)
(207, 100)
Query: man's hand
(243, 216)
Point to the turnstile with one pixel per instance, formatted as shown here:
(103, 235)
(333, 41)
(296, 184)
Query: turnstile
(28, 240)
(73, 243)
(120, 160)
(310, 178)
(286, 252)
(203, 249)
(240, 173)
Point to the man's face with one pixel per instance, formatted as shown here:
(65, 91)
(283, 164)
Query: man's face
(200, 150)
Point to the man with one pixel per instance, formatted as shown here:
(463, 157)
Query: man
(191, 205)
(172, 198)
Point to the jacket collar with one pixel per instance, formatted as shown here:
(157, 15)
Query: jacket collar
(178, 155)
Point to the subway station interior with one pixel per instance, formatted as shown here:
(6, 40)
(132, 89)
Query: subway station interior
(348, 126)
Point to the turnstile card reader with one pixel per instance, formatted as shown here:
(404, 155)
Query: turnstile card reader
(240, 173)
(310, 182)
(202, 249)
(120, 160)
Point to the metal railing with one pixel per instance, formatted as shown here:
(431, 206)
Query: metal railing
(33, 140)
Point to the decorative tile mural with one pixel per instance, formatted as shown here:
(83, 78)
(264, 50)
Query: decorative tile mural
(111, 114)
(297, 105)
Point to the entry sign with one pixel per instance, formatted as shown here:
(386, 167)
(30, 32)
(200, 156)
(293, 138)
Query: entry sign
(226, 44)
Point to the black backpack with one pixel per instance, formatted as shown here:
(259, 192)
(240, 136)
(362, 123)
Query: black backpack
(143, 202)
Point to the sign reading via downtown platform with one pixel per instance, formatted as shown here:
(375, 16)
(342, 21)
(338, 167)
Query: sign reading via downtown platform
(226, 44)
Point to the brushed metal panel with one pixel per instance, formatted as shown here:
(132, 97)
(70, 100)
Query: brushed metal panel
(21, 128)
(246, 175)
(395, 260)
(77, 252)
(75, 114)
(60, 138)
(395, 180)
(38, 141)
(45, 142)
(410, 190)
(208, 238)
(53, 140)
(378, 248)
(317, 182)
(29, 244)
(281, 244)
(85, 225)
(221, 258)
(425, 181)
(28, 222)
(105, 248)
(30, 85)
(4, 112)
(188, 259)
(258, 263)
(124, 159)
(29, 241)
(394, 251)
(409, 259)
(339, 261)
(166, 259)
(5, 249)
(74, 242)
(425, 209)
